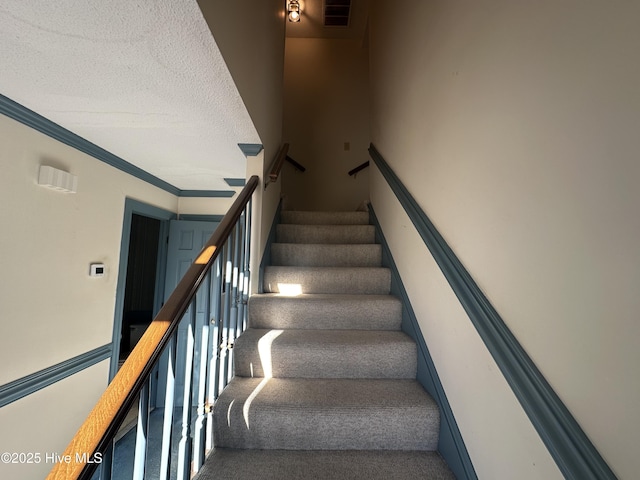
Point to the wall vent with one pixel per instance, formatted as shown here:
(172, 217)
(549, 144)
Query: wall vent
(336, 13)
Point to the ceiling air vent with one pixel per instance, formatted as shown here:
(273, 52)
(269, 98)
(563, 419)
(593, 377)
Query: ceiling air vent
(336, 13)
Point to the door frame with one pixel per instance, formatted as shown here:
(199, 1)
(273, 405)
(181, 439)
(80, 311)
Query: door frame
(131, 207)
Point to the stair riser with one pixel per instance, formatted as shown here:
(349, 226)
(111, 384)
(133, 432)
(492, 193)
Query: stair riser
(366, 312)
(325, 356)
(303, 255)
(324, 218)
(399, 429)
(331, 234)
(230, 464)
(324, 365)
(370, 281)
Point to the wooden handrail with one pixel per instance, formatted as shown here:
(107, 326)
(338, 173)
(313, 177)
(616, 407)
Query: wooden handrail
(295, 164)
(104, 420)
(358, 168)
(276, 166)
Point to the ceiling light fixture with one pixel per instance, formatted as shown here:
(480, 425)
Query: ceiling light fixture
(293, 9)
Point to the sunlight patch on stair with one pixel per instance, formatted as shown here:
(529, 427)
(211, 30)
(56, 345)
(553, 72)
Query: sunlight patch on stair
(229, 413)
(264, 350)
(247, 403)
(290, 289)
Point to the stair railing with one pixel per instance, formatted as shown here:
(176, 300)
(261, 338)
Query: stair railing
(276, 166)
(362, 166)
(295, 164)
(278, 162)
(211, 300)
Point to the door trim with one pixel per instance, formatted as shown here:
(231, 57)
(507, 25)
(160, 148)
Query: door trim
(137, 207)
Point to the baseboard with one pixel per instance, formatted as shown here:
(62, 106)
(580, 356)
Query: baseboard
(450, 444)
(266, 255)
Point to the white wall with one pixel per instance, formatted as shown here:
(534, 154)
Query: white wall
(326, 105)
(514, 125)
(45, 421)
(251, 39)
(50, 309)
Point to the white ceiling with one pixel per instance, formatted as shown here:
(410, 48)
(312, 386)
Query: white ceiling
(142, 79)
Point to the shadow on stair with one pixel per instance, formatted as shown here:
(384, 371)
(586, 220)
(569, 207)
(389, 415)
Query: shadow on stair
(325, 381)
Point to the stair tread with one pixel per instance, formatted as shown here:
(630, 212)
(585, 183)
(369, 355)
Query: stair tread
(326, 414)
(323, 254)
(325, 353)
(349, 280)
(324, 370)
(332, 311)
(335, 392)
(327, 394)
(312, 338)
(336, 234)
(235, 464)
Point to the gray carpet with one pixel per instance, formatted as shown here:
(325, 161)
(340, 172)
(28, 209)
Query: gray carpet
(326, 414)
(354, 280)
(325, 380)
(228, 464)
(324, 218)
(321, 255)
(322, 311)
(328, 354)
(331, 234)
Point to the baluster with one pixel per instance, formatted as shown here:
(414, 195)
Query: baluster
(169, 402)
(184, 446)
(247, 261)
(226, 316)
(199, 431)
(233, 311)
(221, 342)
(214, 351)
(105, 466)
(141, 433)
(216, 320)
(242, 280)
(241, 303)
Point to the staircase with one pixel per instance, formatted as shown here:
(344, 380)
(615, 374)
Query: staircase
(324, 383)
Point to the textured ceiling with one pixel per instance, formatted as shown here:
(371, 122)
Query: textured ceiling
(142, 79)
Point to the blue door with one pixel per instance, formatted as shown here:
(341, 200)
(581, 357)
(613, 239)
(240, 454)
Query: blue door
(186, 239)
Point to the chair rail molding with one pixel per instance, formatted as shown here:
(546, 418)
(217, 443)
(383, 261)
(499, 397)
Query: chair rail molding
(17, 389)
(36, 121)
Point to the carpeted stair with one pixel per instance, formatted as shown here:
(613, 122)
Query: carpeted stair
(324, 384)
